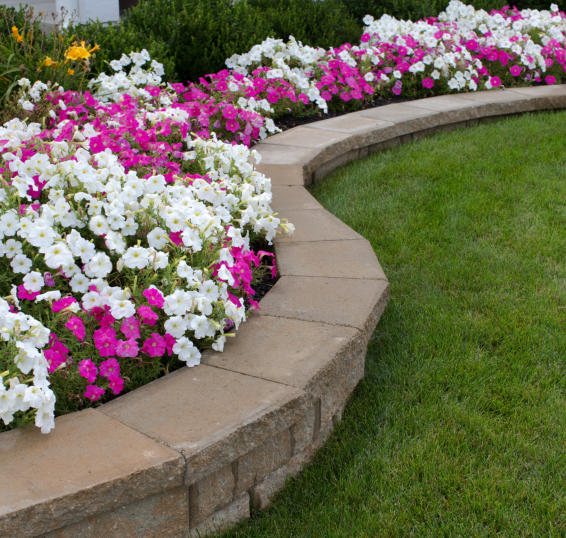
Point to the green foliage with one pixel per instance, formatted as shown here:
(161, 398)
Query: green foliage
(194, 37)
(26, 51)
(417, 9)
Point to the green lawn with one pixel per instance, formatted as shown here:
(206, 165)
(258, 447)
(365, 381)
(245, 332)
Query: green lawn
(459, 427)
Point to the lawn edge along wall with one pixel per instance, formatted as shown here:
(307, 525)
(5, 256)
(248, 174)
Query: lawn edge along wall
(191, 452)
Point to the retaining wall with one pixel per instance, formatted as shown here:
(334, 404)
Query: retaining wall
(192, 451)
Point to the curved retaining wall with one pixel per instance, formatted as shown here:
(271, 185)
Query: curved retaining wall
(192, 451)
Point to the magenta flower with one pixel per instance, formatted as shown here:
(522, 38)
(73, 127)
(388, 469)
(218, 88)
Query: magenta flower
(116, 384)
(428, 82)
(495, 82)
(154, 297)
(515, 70)
(109, 368)
(130, 327)
(169, 343)
(93, 393)
(48, 279)
(88, 370)
(147, 315)
(550, 80)
(127, 348)
(397, 87)
(77, 327)
(63, 303)
(154, 346)
(105, 341)
(25, 294)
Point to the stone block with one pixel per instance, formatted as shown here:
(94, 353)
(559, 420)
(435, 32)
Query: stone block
(316, 225)
(164, 514)
(283, 174)
(307, 137)
(225, 518)
(258, 463)
(89, 464)
(289, 197)
(263, 493)
(351, 302)
(344, 258)
(211, 493)
(211, 415)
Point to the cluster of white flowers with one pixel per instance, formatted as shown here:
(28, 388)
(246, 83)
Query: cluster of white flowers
(25, 336)
(131, 80)
(496, 30)
(291, 61)
(32, 93)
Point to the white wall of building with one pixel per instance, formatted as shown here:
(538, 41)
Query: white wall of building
(79, 10)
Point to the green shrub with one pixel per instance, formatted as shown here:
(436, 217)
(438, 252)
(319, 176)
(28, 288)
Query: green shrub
(417, 9)
(194, 37)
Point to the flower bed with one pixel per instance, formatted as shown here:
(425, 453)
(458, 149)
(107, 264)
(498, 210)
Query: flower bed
(127, 224)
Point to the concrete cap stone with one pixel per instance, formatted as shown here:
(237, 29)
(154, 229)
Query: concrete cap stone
(283, 174)
(193, 408)
(351, 124)
(338, 301)
(283, 350)
(306, 137)
(316, 225)
(346, 259)
(286, 198)
(88, 464)
(274, 153)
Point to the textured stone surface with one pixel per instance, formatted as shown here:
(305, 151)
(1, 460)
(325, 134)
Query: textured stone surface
(347, 259)
(256, 464)
(353, 124)
(211, 493)
(339, 301)
(282, 174)
(545, 97)
(306, 137)
(263, 493)
(225, 518)
(286, 198)
(316, 225)
(165, 514)
(88, 464)
(283, 350)
(212, 415)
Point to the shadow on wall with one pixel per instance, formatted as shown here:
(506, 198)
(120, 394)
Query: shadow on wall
(126, 4)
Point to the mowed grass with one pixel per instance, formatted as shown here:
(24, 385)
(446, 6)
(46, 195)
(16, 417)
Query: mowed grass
(459, 427)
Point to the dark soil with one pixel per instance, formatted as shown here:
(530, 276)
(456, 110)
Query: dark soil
(288, 122)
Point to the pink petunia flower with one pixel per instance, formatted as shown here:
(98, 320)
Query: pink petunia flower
(154, 297)
(428, 82)
(88, 370)
(147, 315)
(127, 348)
(130, 327)
(515, 70)
(77, 327)
(105, 341)
(495, 82)
(109, 368)
(154, 346)
(63, 303)
(93, 393)
(116, 384)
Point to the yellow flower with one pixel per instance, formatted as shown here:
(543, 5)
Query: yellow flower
(77, 53)
(48, 62)
(71, 71)
(16, 34)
